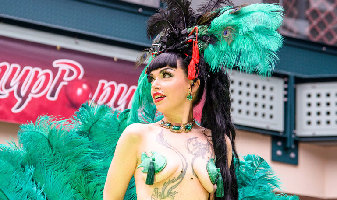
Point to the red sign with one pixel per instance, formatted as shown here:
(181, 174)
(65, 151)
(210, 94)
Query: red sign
(38, 80)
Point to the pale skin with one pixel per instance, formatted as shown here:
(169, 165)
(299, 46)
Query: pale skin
(185, 176)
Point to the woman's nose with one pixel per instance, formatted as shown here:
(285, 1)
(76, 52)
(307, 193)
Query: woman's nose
(155, 84)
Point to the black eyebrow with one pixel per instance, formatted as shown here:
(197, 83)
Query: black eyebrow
(161, 71)
(165, 68)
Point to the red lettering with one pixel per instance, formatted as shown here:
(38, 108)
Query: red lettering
(117, 96)
(27, 83)
(104, 92)
(124, 97)
(36, 83)
(68, 70)
(3, 69)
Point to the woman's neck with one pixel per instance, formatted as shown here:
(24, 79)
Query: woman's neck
(177, 119)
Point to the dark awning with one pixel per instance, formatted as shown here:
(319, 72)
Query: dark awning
(119, 21)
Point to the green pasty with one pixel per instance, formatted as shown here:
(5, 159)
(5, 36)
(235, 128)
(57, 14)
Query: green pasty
(159, 162)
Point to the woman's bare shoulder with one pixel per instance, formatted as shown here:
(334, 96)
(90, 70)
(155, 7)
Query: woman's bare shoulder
(138, 129)
(207, 132)
(135, 127)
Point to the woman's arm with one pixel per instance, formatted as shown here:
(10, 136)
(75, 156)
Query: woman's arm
(123, 164)
(229, 151)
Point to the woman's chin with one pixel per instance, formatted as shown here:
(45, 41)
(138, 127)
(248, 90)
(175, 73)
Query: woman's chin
(162, 108)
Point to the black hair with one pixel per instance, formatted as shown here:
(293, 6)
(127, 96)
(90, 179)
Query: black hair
(216, 113)
(163, 60)
(216, 116)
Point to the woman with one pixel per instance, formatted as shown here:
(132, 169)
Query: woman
(185, 175)
(173, 158)
(188, 57)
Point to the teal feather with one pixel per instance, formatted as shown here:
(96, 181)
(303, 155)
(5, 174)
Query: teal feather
(70, 158)
(16, 178)
(100, 125)
(256, 180)
(143, 110)
(62, 159)
(252, 41)
(103, 127)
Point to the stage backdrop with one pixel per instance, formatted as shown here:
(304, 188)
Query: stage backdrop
(38, 80)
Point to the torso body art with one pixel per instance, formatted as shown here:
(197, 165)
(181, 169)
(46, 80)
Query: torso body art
(185, 175)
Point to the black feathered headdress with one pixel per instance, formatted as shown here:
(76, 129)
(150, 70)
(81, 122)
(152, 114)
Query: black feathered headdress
(242, 36)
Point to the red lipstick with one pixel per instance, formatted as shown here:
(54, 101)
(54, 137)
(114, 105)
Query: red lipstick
(157, 97)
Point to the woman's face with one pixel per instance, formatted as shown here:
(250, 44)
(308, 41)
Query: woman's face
(169, 88)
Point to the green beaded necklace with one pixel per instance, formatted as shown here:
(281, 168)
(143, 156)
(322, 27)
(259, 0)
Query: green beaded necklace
(177, 129)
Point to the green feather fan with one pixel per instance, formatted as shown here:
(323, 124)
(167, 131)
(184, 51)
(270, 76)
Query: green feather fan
(64, 162)
(16, 177)
(66, 159)
(247, 38)
(256, 180)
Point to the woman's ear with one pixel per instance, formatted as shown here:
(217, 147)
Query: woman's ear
(195, 85)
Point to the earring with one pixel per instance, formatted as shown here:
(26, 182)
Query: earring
(189, 96)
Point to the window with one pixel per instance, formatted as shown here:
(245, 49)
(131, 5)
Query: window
(314, 20)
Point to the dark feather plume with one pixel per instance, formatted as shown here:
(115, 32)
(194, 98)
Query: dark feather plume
(158, 22)
(176, 16)
(211, 5)
(171, 24)
(182, 9)
(207, 17)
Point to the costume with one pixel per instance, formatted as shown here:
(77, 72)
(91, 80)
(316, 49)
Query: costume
(69, 159)
(72, 162)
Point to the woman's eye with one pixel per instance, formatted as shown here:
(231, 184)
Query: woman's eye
(150, 79)
(167, 75)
